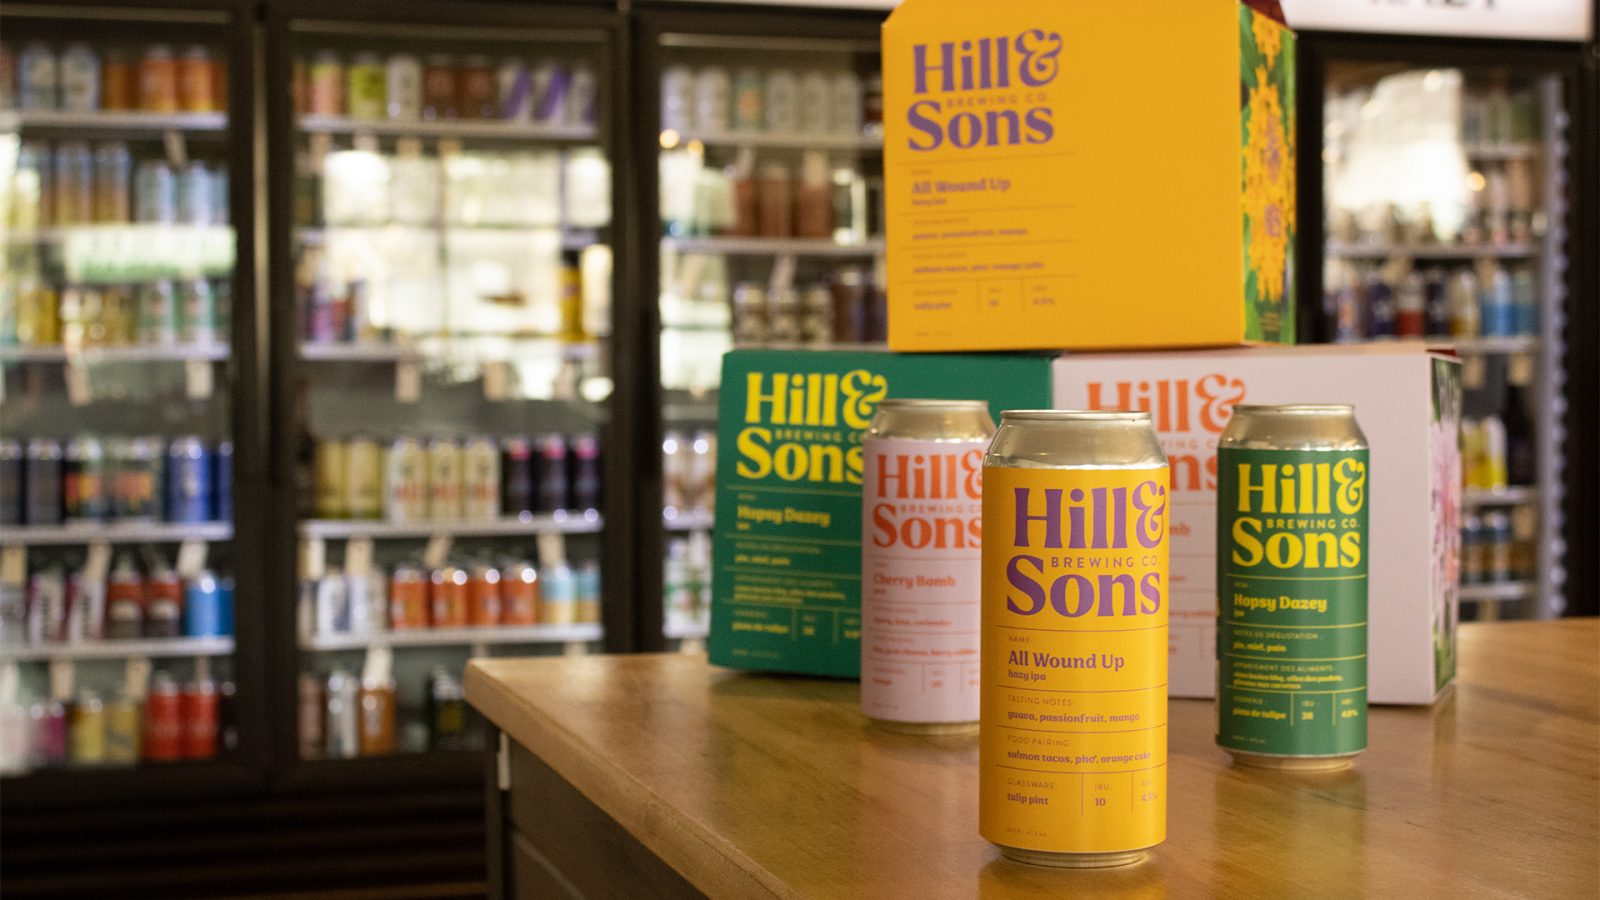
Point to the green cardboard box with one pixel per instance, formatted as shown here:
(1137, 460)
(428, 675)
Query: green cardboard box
(786, 590)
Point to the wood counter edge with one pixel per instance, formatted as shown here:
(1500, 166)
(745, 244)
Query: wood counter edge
(709, 861)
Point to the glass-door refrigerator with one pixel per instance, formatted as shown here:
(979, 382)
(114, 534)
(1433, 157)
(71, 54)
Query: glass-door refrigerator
(762, 226)
(443, 290)
(1446, 181)
(130, 439)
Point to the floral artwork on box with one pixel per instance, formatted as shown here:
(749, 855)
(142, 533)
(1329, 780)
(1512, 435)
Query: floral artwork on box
(1444, 440)
(1267, 139)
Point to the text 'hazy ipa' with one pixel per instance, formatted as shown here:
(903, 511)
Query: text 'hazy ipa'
(921, 563)
(1292, 587)
(1073, 735)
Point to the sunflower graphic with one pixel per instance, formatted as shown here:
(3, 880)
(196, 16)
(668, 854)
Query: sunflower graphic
(1268, 187)
(1269, 39)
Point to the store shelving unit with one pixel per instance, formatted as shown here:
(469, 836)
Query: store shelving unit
(451, 129)
(215, 388)
(458, 637)
(756, 246)
(563, 522)
(1431, 251)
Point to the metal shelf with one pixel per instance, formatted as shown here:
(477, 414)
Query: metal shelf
(688, 520)
(571, 239)
(155, 648)
(117, 354)
(1430, 251)
(116, 533)
(450, 637)
(451, 128)
(423, 348)
(1515, 495)
(774, 140)
(128, 122)
(1498, 592)
(1487, 346)
(1502, 152)
(567, 522)
(758, 246)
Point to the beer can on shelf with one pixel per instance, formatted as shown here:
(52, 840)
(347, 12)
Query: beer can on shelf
(476, 96)
(201, 719)
(1292, 551)
(222, 482)
(155, 193)
(675, 463)
(405, 481)
(312, 740)
(447, 711)
(558, 595)
(485, 602)
(342, 727)
(190, 470)
(1072, 748)
(88, 729)
(585, 478)
(197, 81)
(403, 87)
(74, 183)
(125, 599)
(197, 302)
(163, 720)
(444, 479)
(583, 96)
(38, 77)
(11, 481)
(816, 97)
(367, 87)
(85, 480)
(586, 591)
(439, 88)
(712, 103)
(163, 604)
(376, 732)
(203, 614)
(480, 479)
(194, 189)
(677, 99)
(517, 495)
(48, 726)
(158, 80)
(42, 487)
(516, 90)
(325, 85)
(847, 100)
(136, 479)
(122, 730)
(747, 94)
(116, 81)
(328, 478)
(921, 563)
(363, 478)
(158, 312)
(448, 597)
(519, 594)
(554, 490)
(113, 183)
(79, 74)
(552, 86)
(408, 599)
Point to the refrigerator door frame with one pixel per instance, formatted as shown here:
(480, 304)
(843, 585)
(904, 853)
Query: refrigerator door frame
(649, 24)
(246, 772)
(1574, 64)
(454, 769)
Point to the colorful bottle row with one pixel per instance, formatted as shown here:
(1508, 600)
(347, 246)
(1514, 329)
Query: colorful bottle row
(467, 595)
(343, 716)
(1499, 546)
(81, 78)
(1486, 300)
(167, 723)
(155, 313)
(76, 183)
(475, 479)
(776, 101)
(89, 479)
(61, 607)
(821, 198)
(405, 88)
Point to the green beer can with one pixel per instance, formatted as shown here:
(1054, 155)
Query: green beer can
(1292, 587)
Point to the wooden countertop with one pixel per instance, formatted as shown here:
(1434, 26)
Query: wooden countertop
(755, 786)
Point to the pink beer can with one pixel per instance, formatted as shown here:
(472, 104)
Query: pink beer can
(921, 564)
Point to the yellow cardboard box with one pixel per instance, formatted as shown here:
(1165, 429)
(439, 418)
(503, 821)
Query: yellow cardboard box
(1086, 174)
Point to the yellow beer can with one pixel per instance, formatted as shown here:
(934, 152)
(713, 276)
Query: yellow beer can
(1073, 709)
